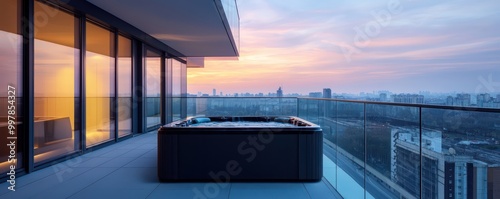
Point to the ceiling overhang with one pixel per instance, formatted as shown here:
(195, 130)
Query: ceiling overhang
(195, 28)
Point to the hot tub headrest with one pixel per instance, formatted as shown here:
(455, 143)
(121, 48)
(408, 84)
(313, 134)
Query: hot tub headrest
(282, 119)
(197, 120)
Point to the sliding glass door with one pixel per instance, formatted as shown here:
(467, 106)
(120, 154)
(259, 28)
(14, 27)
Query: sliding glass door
(124, 80)
(57, 84)
(99, 84)
(11, 92)
(152, 71)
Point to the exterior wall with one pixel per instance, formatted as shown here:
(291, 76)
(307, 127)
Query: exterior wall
(80, 78)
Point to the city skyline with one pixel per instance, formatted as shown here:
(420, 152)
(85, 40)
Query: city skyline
(462, 99)
(408, 46)
(320, 90)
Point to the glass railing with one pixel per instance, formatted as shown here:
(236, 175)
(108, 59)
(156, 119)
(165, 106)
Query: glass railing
(153, 113)
(388, 150)
(241, 106)
(233, 18)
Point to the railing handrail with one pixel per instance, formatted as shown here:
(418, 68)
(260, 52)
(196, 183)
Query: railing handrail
(433, 106)
(458, 108)
(237, 97)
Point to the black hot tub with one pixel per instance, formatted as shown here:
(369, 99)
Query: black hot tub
(226, 149)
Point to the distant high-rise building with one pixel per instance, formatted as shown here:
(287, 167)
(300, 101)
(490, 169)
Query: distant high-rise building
(315, 94)
(462, 100)
(405, 153)
(214, 92)
(279, 92)
(444, 173)
(383, 97)
(485, 100)
(408, 98)
(327, 93)
(463, 177)
(449, 101)
(480, 100)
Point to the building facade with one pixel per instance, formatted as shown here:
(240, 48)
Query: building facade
(315, 94)
(408, 98)
(327, 93)
(279, 92)
(83, 74)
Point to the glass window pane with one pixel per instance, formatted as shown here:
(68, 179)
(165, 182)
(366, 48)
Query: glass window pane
(176, 78)
(124, 75)
(183, 90)
(176, 89)
(11, 67)
(99, 84)
(56, 89)
(153, 88)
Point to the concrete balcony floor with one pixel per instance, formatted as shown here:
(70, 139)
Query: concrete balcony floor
(128, 170)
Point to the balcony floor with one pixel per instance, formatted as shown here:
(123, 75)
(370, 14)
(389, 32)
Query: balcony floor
(128, 170)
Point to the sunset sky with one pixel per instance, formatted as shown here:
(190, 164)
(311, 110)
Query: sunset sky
(360, 46)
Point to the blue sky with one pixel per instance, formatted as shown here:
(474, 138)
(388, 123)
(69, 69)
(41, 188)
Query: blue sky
(354, 46)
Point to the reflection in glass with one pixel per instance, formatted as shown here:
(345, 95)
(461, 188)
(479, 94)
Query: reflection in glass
(124, 75)
(56, 128)
(153, 88)
(99, 84)
(11, 74)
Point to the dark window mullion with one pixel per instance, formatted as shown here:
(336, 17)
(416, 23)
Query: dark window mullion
(115, 101)
(28, 52)
(83, 95)
(163, 93)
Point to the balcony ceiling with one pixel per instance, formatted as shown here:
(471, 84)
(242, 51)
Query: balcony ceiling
(192, 27)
